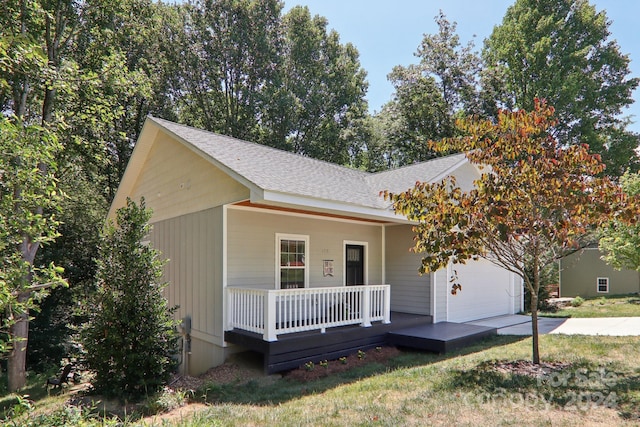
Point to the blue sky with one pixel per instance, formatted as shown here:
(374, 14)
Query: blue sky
(387, 33)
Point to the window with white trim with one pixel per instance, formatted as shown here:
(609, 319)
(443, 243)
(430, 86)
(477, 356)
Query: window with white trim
(603, 285)
(292, 260)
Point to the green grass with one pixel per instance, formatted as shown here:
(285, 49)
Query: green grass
(600, 387)
(613, 306)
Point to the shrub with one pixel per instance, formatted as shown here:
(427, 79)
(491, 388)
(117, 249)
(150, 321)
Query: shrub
(577, 301)
(130, 336)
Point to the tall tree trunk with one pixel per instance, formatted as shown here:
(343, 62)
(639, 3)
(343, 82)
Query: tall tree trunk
(17, 361)
(534, 302)
(534, 328)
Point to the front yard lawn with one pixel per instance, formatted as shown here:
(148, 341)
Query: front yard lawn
(610, 306)
(589, 381)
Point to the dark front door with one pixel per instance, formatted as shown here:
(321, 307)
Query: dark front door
(355, 265)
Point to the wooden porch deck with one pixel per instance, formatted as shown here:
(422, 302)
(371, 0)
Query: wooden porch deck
(439, 337)
(405, 330)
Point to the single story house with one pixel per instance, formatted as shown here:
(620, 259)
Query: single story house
(266, 245)
(586, 274)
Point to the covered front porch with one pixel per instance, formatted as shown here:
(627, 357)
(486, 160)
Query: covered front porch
(290, 327)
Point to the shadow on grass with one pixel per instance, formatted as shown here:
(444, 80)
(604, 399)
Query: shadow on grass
(35, 391)
(580, 386)
(258, 392)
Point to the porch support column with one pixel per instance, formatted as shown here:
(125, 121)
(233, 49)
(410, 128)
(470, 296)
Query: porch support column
(387, 305)
(366, 307)
(269, 316)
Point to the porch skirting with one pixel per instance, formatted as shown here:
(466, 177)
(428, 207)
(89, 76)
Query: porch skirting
(294, 350)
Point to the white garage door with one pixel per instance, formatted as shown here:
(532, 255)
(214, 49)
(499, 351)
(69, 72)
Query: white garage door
(486, 292)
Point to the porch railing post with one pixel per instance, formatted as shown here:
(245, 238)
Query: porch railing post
(230, 309)
(387, 304)
(269, 315)
(365, 310)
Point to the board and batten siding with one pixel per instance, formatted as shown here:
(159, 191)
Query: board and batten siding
(251, 247)
(192, 246)
(176, 181)
(410, 292)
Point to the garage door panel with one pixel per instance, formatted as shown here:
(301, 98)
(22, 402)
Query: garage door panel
(486, 292)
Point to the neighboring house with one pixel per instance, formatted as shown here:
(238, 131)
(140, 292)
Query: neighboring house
(264, 244)
(585, 274)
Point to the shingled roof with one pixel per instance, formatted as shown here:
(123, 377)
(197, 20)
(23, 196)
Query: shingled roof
(278, 171)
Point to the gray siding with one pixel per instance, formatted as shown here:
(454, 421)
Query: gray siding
(192, 244)
(410, 292)
(580, 271)
(252, 242)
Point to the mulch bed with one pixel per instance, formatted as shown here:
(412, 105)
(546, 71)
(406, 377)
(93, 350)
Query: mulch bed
(527, 367)
(310, 372)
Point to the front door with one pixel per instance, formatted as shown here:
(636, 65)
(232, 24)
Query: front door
(355, 265)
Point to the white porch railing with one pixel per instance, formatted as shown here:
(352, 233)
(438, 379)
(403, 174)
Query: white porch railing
(284, 311)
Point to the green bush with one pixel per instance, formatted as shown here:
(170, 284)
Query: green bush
(577, 301)
(130, 336)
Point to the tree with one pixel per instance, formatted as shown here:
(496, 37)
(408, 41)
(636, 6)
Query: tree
(561, 51)
(429, 95)
(284, 81)
(317, 105)
(228, 58)
(620, 241)
(535, 200)
(29, 200)
(34, 38)
(130, 336)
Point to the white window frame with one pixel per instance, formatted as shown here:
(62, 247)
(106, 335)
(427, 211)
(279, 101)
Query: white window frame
(598, 285)
(299, 237)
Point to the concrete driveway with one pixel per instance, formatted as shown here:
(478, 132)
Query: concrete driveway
(518, 324)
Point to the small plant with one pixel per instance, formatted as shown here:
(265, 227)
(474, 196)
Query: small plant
(379, 349)
(343, 360)
(577, 301)
(166, 400)
(23, 406)
(324, 364)
(309, 366)
(602, 300)
(361, 354)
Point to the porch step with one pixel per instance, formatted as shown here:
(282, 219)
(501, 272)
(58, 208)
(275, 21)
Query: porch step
(440, 337)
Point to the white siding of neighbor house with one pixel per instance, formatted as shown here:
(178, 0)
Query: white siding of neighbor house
(410, 292)
(251, 248)
(192, 244)
(175, 181)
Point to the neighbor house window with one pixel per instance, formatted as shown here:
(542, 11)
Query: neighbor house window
(603, 284)
(292, 271)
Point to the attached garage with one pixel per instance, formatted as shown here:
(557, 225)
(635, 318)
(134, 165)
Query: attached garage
(487, 291)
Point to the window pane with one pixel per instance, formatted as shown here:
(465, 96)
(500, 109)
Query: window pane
(292, 263)
(291, 278)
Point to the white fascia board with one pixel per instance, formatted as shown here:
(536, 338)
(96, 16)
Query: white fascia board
(449, 171)
(326, 206)
(141, 149)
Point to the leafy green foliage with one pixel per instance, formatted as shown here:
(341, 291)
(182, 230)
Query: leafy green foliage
(52, 333)
(620, 241)
(247, 71)
(130, 336)
(429, 95)
(562, 52)
(29, 200)
(534, 202)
